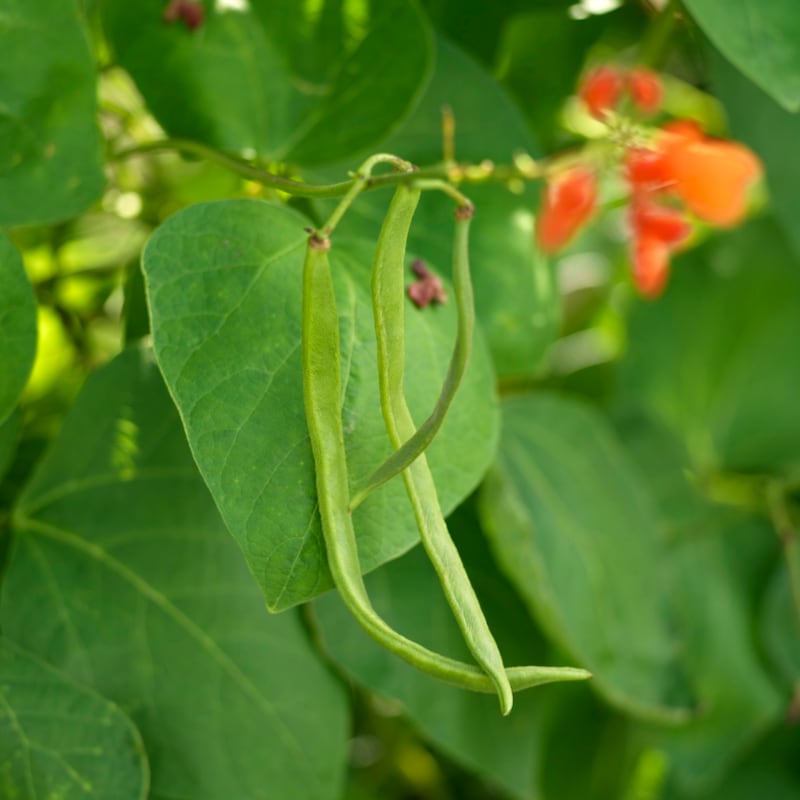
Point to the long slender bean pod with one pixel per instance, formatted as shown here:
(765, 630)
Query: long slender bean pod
(401, 458)
(388, 301)
(322, 397)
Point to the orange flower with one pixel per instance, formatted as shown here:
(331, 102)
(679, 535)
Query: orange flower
(568, 202)
(601, 90)
(710, 176)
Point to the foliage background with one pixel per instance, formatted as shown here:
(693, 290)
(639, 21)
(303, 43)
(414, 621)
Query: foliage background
(617, 470)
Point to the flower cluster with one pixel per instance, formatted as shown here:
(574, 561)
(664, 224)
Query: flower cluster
(677, 172)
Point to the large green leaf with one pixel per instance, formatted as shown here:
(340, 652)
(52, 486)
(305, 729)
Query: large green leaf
(757, 120)
(737, 700)
(307, 83)
(50, 147)
(60, 740)
(124, 577)
(576, 532)
(224, 287)
(761, 37)
(715, 560)
(17, 326)
(716, 357)
(504, 750)
(516, 297)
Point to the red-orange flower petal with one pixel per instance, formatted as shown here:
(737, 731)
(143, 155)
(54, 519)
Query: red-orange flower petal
(712, 177)
(601, 90)
(568, 202)
(646, 90)
(645, 169)
(650, 265)
(667, 225)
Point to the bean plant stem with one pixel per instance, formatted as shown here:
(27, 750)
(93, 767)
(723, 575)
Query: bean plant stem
(524, 168)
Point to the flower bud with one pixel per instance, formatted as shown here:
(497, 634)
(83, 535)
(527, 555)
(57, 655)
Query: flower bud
(568, 202)
(650, 265)
(601, 90)
(645, 89)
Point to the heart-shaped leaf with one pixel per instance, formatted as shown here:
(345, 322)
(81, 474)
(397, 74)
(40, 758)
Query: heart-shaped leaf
(307, 83)
(58, 739)
(51, 165)
(224, 288)
(124, 577)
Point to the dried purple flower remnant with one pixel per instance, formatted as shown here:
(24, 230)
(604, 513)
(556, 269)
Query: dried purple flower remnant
(427, 288)
(191, 13)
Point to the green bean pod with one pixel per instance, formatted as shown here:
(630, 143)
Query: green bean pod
(388, 301)
(416, 444)
(322, 398)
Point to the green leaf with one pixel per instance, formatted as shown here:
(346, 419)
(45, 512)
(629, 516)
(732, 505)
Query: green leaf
(224, 288)
(123, 576)
(576, 533)
(17, 326)
(303, 83)
(768, 770)
(758, 121)
(715, 561)
(737, 701)
(51, 164)
(781, 627)
(60, 740)
(538, 38)
(465, 725)
(756, 780)
(761, 38)
(581, 729)
(516, 297)
(716, 358)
